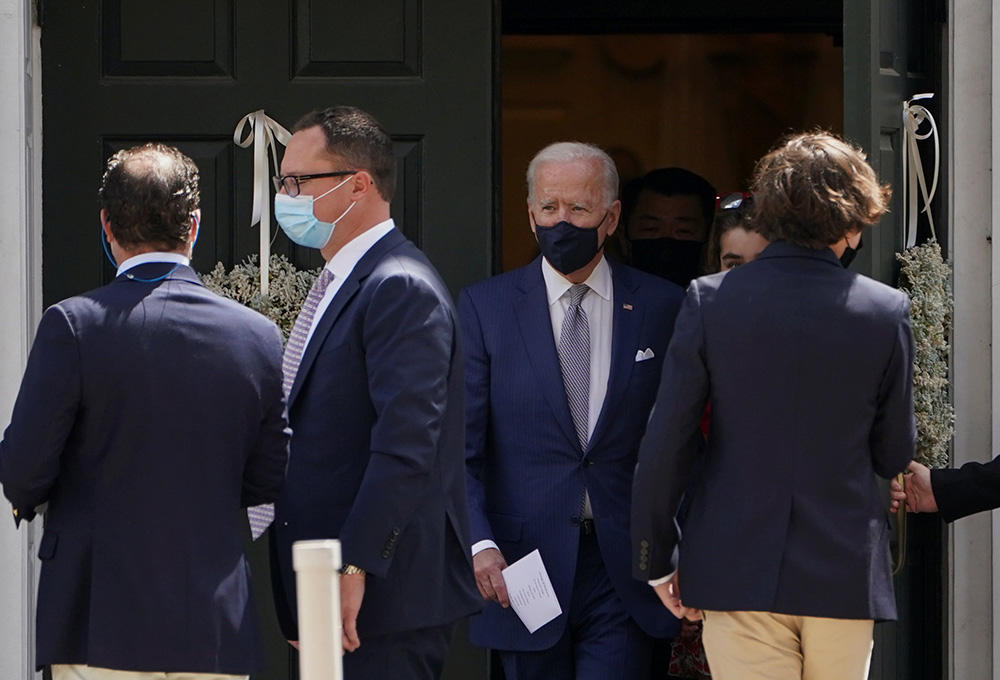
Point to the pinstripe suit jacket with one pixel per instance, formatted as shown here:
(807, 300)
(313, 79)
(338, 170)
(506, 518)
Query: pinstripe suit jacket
(526, 470)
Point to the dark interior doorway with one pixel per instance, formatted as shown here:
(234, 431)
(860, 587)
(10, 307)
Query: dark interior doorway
(711, 86)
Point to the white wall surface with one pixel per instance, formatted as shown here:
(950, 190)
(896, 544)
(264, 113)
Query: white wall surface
(972, 153)
(20, 300)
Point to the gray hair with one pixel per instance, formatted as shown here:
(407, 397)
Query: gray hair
(569, 152)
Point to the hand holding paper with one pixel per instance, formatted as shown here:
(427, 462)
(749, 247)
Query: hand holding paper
(530, 591)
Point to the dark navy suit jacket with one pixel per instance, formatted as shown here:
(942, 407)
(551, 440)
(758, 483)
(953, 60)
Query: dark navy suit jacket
(377, 457)
(526, 468)
(972, 488)
(808, 368)
(149, 414)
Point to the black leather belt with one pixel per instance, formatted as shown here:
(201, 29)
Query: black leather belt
(587, 527)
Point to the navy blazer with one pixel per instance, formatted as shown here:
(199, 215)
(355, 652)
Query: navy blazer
(149, 414)
(377, 456)
(972, 488)
(525, 465)
(808, 368)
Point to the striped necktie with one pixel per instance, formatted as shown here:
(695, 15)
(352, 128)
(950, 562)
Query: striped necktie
(574, 359)
(261, 516)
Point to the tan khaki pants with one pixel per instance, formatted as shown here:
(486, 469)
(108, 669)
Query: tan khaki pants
(80, 672)
(765, 646)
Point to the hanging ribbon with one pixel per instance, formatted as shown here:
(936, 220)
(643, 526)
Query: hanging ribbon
(914, 182)
(264, 132)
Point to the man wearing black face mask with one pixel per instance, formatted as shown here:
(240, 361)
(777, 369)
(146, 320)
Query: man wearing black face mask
(563, 359)
(668, 214)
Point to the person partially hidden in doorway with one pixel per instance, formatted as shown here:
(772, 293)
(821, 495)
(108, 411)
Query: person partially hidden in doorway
(667, 217)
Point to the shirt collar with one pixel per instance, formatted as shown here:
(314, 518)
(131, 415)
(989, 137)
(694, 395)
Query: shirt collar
(342, 264)
(556, 284)
(144, 258)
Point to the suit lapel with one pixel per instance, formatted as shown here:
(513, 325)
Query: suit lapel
(532, 309)
(627, 316)
(344, 295)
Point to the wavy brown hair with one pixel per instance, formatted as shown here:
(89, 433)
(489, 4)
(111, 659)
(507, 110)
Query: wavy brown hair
(813, 189)
(150, 193)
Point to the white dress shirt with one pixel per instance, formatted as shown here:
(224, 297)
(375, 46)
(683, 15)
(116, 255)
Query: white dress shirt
(343, 263)
(144, 258)
(599, 307)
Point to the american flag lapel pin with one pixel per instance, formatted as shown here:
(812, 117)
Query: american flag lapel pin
(627, 306)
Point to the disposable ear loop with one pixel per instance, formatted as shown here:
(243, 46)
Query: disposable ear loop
(132, 277)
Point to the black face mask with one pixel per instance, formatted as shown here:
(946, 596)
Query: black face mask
(568, 247)
(673, 259)
(850, 253)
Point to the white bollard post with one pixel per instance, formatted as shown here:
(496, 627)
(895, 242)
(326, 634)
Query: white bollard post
(317, 579)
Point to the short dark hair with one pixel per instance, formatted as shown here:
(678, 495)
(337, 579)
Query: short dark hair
(814, 188)
(725, 221)
(150, 192)
(671, 182)
(360, 140)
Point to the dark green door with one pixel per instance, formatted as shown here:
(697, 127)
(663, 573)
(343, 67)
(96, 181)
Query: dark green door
(121, 72)
(892, 52)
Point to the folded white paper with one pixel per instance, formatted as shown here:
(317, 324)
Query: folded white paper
(530, 591)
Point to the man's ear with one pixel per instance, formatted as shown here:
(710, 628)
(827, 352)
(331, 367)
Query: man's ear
(106, 226)
(614, 214)
(361, 183)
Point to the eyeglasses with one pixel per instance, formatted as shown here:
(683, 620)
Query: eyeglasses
(733, 200)
(290, 183)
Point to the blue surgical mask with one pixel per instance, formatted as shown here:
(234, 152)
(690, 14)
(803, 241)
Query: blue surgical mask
(296, 217)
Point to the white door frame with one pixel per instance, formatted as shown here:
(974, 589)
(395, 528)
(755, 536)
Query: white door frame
(20, 303)
(972, 95)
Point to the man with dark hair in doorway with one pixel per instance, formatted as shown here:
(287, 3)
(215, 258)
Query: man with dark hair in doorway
(374, 374)
(151, 410)
(809, 370)
(667, 216)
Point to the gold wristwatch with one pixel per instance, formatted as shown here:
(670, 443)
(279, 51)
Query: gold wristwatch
(348, 569)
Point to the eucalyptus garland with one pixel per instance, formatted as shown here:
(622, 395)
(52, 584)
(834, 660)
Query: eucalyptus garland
(926, 277)
(289, 287)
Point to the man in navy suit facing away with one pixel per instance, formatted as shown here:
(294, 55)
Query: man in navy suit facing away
(150, 412)
(563, 362)
(808, 368)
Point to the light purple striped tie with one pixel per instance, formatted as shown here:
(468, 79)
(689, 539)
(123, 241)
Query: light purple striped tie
(574, 359)
(261, 516)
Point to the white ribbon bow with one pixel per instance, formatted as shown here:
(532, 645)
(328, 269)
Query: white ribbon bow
(264, 131)
(914, 182)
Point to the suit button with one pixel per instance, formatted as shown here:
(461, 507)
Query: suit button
(588, 463)
(395, 531)
(644, 544)
(388, 545)
(574, 520)
(643, 551)
(642, 566)
(385, 554)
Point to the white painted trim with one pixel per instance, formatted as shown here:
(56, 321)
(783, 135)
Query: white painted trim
(994, 63)
(20, 302)
(971, 206)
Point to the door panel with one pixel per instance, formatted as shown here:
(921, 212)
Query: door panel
(122, 72)
(891, 52)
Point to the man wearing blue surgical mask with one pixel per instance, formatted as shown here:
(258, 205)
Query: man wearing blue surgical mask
(563, 362)
(373, 374)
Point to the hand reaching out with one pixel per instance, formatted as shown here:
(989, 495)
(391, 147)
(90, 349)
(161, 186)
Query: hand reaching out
(918, 495)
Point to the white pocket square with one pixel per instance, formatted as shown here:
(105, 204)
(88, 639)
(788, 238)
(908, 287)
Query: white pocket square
(643, 356)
